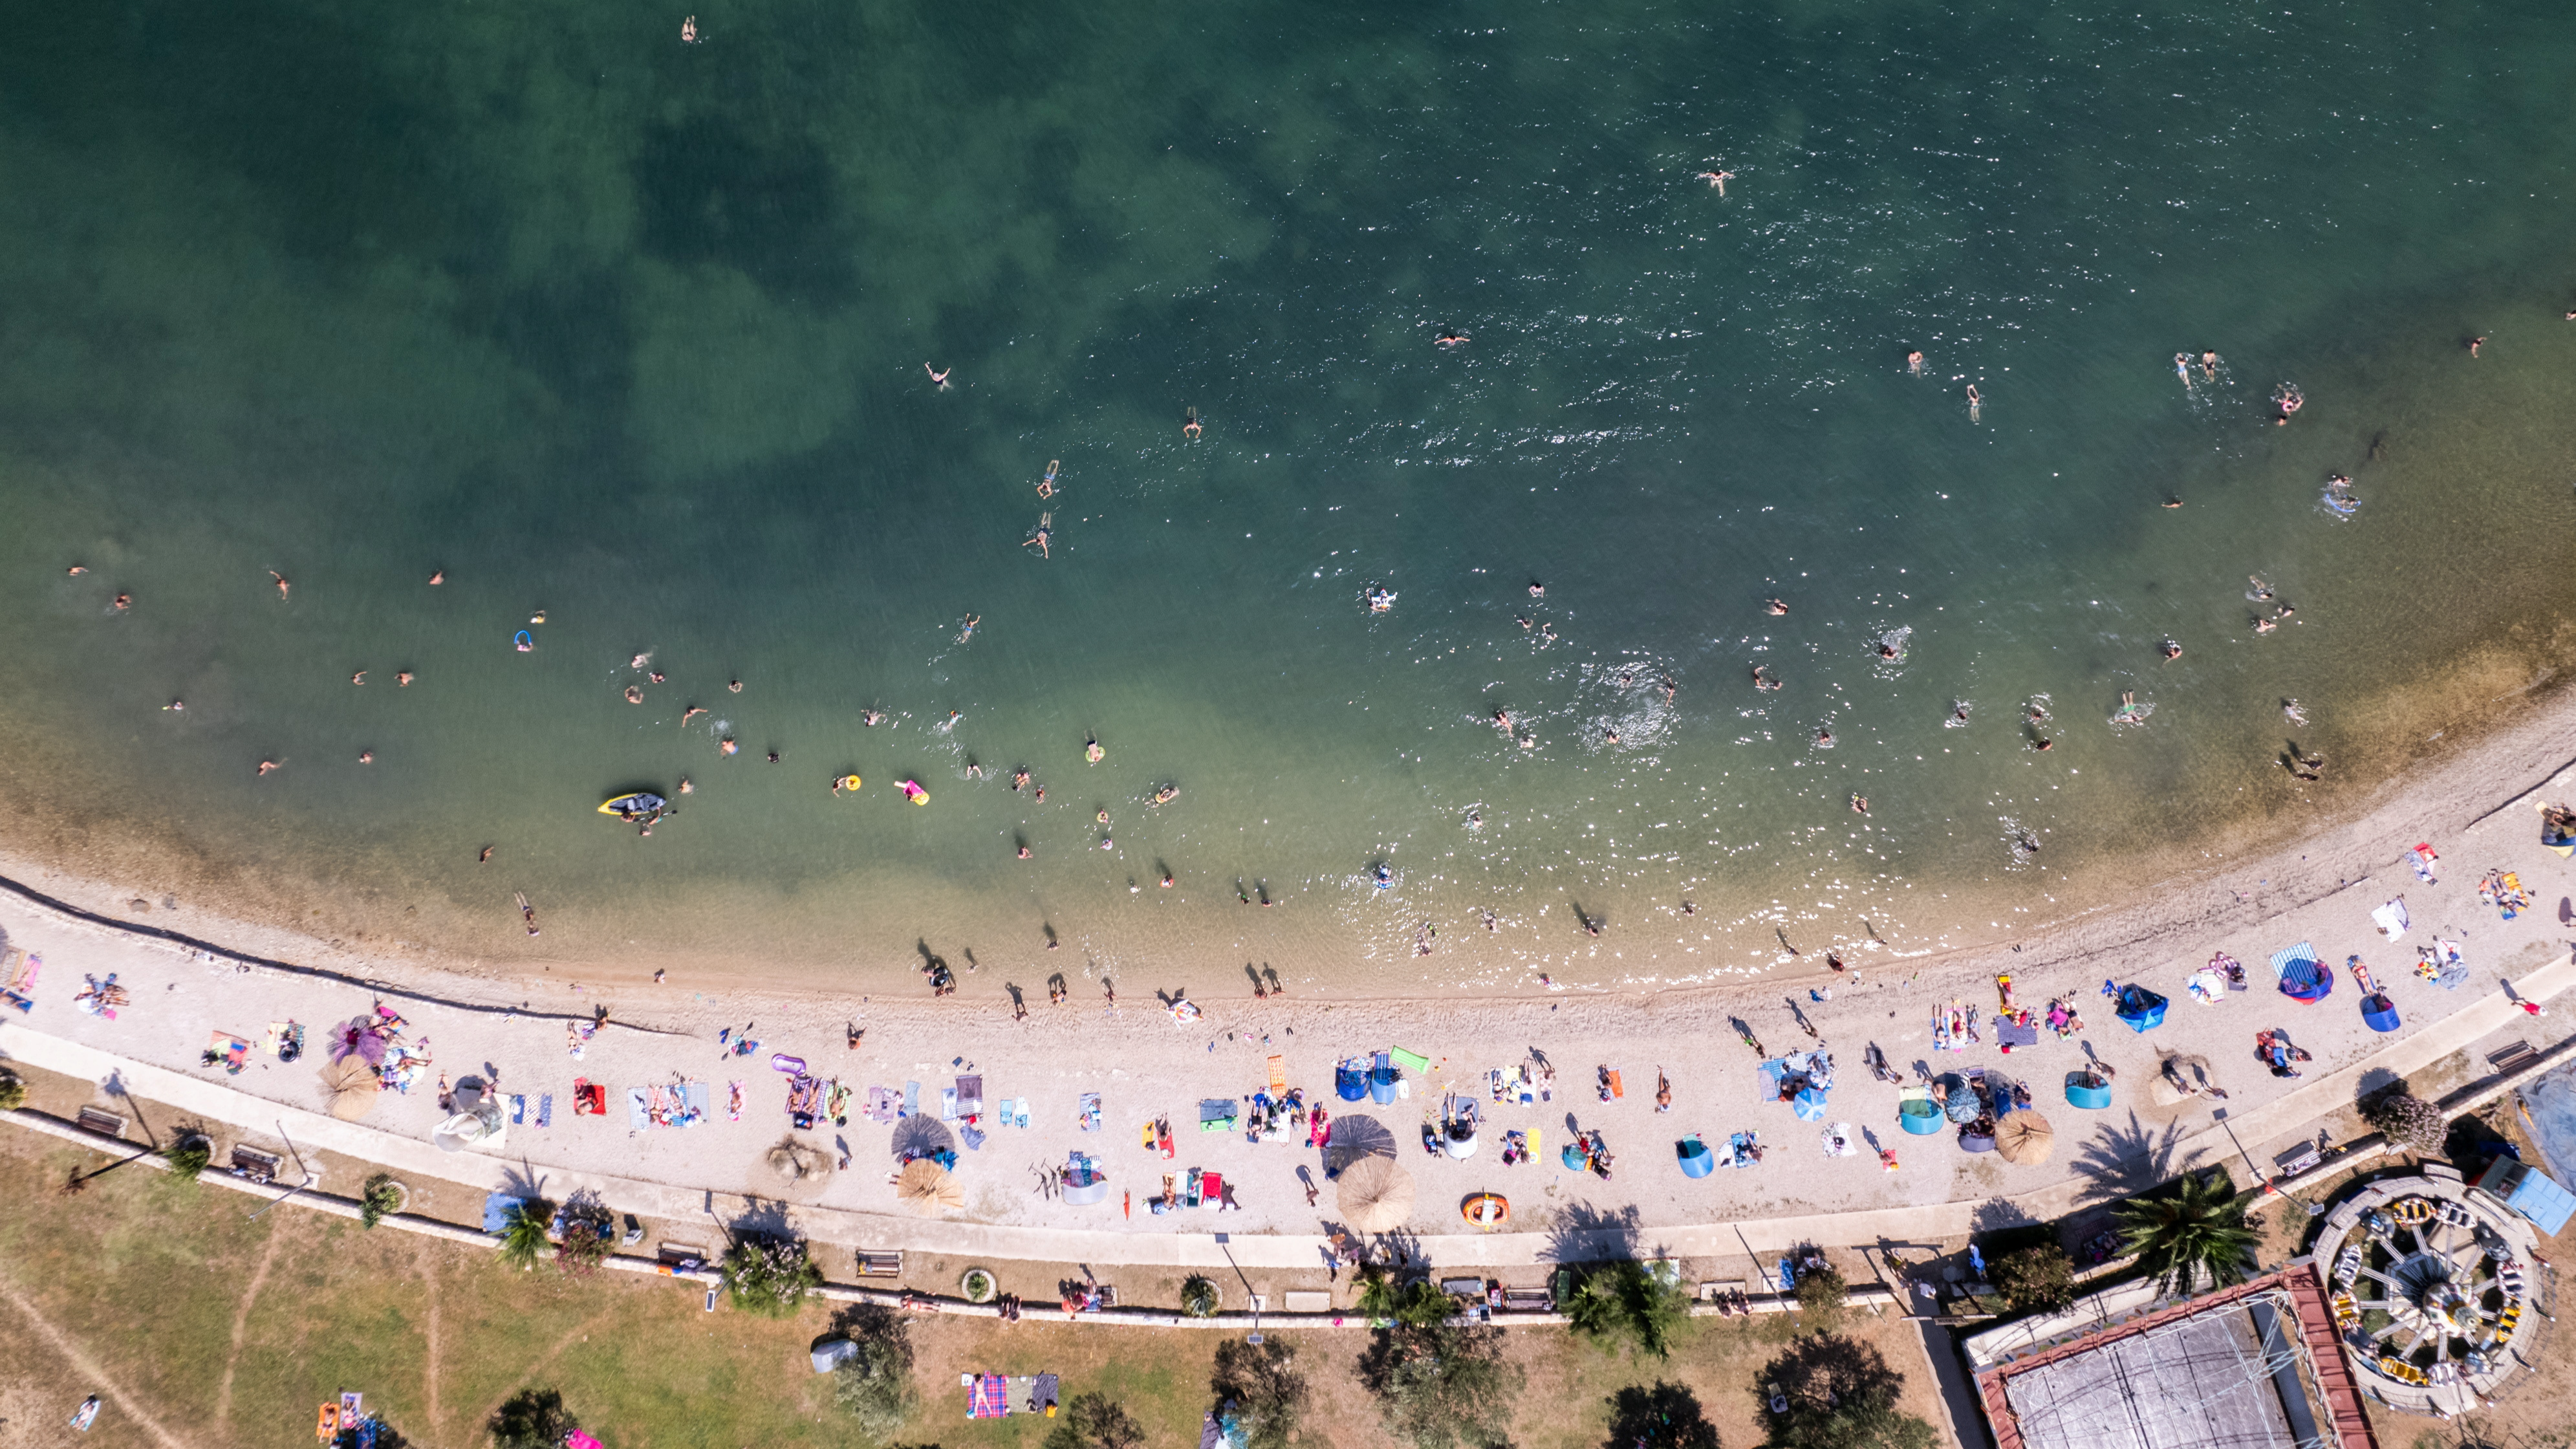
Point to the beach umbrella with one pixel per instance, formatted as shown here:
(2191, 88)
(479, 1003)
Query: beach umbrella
(2024, 1138)
(1356, 1138)
(357, 1037)
(1376, 1195)
(920, 1135)
(928, 1189)
(1809, 1104)
(352, 1086)
(1696, 1159)
(792, 1167)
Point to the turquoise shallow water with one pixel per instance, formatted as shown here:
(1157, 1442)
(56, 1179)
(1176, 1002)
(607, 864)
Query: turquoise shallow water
(632, 333)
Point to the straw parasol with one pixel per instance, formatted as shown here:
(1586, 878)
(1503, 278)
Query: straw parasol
(2025, 1138)
(792, 1167)
(926, 1188)
(1376, 1194)
(352, 1085)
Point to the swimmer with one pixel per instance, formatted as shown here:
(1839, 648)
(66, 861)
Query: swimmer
(1019, 781)
(2282, 611)
(1041, 794)
(1103, 816)
(1775, 607)
(176, 706)
(689, 31)
(2263, 625)
(1107, 844)
(871, 717)
(438, 578)
(267, 765)
(1042, 540)
(1024, 852)
(938, 375)
(2209, 365)
(1046, 485)
(1546, 635)
(685, 787)
(634, 695)
(949, 723)
(2043, 744)
(1689, 910)
(836, 784)
(1717, 179)
(1886, 650)
(1503, 720)
(1537, 589)
(2172, 501)
(538, 617)
(773, 757)
(1670, 689)
(282, 585)
(735, 687)
(1974, 401)
(1610, 736)
(1824, 737)
(1167, 880)
(358, 678)
(1763, 680)
(728, 747)
(2170, 650)
(655, 676)
(121, 603)
(1191, 429)
(1091, 749)
(2291, 711)
(1959, 713)
(2038, 714)
(76, 570)
(1914, 363)
(1167, 794)
(1860, 804)
(2262, 590)
(525, 643)
(366, 757)
(402, 678)
(1449, 339)
(1526, 622)
(967, 633)
(2182, 367)
(2474, 344)
(692, 712)
(974, 771)
(639, 661)
(485, 858)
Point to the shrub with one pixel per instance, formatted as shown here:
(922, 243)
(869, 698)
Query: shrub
(1441, 1384)
(583, 1247)
(2408, 1120)
(1411, 1304)
(532, 1419)
(1626, 1302)
(1823, 1297)
(977, 1286)
(1835, 1393)
(1666, 1415)
(1092, 1421)
(1198, 1296)
(523, 1233)
(769, 1276)
(377, 1198)
(1262, 1382)
(2036, 1279)
(13, 1092)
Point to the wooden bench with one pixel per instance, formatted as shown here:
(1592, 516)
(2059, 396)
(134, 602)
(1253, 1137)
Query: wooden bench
(671, 1255)
(2510, 1056)
(100, 1121)
(1309, 1300)
(256, 1165)
(1528, 1300)
(1710, 1292)
(1463, 1287)
(880, 1265)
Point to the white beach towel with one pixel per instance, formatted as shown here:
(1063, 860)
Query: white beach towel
(2392, 919)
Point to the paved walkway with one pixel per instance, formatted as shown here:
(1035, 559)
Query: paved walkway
(216, 1101)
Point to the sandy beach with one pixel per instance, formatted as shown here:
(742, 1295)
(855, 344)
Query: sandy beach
(2476, 806)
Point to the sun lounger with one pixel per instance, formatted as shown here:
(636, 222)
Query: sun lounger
(1279, 1076)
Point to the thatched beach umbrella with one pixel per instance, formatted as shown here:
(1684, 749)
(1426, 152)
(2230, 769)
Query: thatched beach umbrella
(351, 1086)
(793, 1168)
(926, 1188)
(1376, 1195)
(2025, 1138)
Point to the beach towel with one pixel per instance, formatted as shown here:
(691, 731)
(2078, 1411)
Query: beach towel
(2013, 1033)
(21, 990)
(2440, 963)
(2422, 858)
(518, 1109)
(988, 1397)
(972, 1138)
(589, 1098)
(2391, 919)
(970, 1096)
(546, 1109)
(497, 1209)
(912, 1099)
(232, 1051)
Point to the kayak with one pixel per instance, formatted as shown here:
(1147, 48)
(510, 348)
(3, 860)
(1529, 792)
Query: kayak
(627, 807)
(1487, 1210)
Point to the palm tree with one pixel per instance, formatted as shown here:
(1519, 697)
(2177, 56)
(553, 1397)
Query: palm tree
(2198, 1227)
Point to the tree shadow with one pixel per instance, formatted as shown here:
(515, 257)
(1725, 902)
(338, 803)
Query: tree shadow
(1821, 1373)
(2119, 1161)
(1583, 1233)
(1997, 1214)
(761, 1218)
(1666, 1416)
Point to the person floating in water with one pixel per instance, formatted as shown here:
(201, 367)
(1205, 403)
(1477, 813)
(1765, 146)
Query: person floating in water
(1043, 539)
(1717, 179)
(1450, 339)
(1974, 402)
(1774, 607)
(967, 633)
(2209, 365)
(2182, 367)
(2474, 344)
(1914, 363)
(1091, 749)
(358, 678)
(1167, 794)
(689, 33)
(1046, 485)
(282, 584)
(938, 375)
(2170, 650)
(1191, 429)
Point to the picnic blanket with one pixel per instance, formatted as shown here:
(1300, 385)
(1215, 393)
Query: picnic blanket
(988, 1396)
(675, 1104)
(2391, 919)
(1042, 1394)
(2440, 964)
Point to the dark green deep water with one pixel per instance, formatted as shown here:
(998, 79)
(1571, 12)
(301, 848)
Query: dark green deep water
(632, 333)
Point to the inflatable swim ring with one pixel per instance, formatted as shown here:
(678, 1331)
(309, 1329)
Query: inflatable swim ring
(849, 782)
(1486, 1210)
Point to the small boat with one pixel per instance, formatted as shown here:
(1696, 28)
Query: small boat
(1487, 1210)
(630, 807)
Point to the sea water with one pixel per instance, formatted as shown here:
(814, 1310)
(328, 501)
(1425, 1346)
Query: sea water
(630, 335)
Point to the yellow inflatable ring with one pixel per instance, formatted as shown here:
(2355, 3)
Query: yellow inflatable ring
(849, 782)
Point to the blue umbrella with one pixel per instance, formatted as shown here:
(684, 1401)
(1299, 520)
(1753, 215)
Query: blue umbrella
(2140, 1008)
(1696, 1159)
(1809, 1104)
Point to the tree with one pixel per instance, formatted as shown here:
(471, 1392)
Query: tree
(2196, 1229)
(1411, 1304)
(1093, 1421)
(1823, 1297)
(769, 1276)
(532, 1419)
(1262, 1382)
(1627, 1302)
(2408, 1120)
(1830, 1392)
(874, 1385)
(589, 1231)
(523, 1233)
(1666, 1416)
(188, 1156)
(377, 1198)
(1441, 1384)
(2036, 1279)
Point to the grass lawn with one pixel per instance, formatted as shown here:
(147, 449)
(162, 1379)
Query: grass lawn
(167, 1299)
